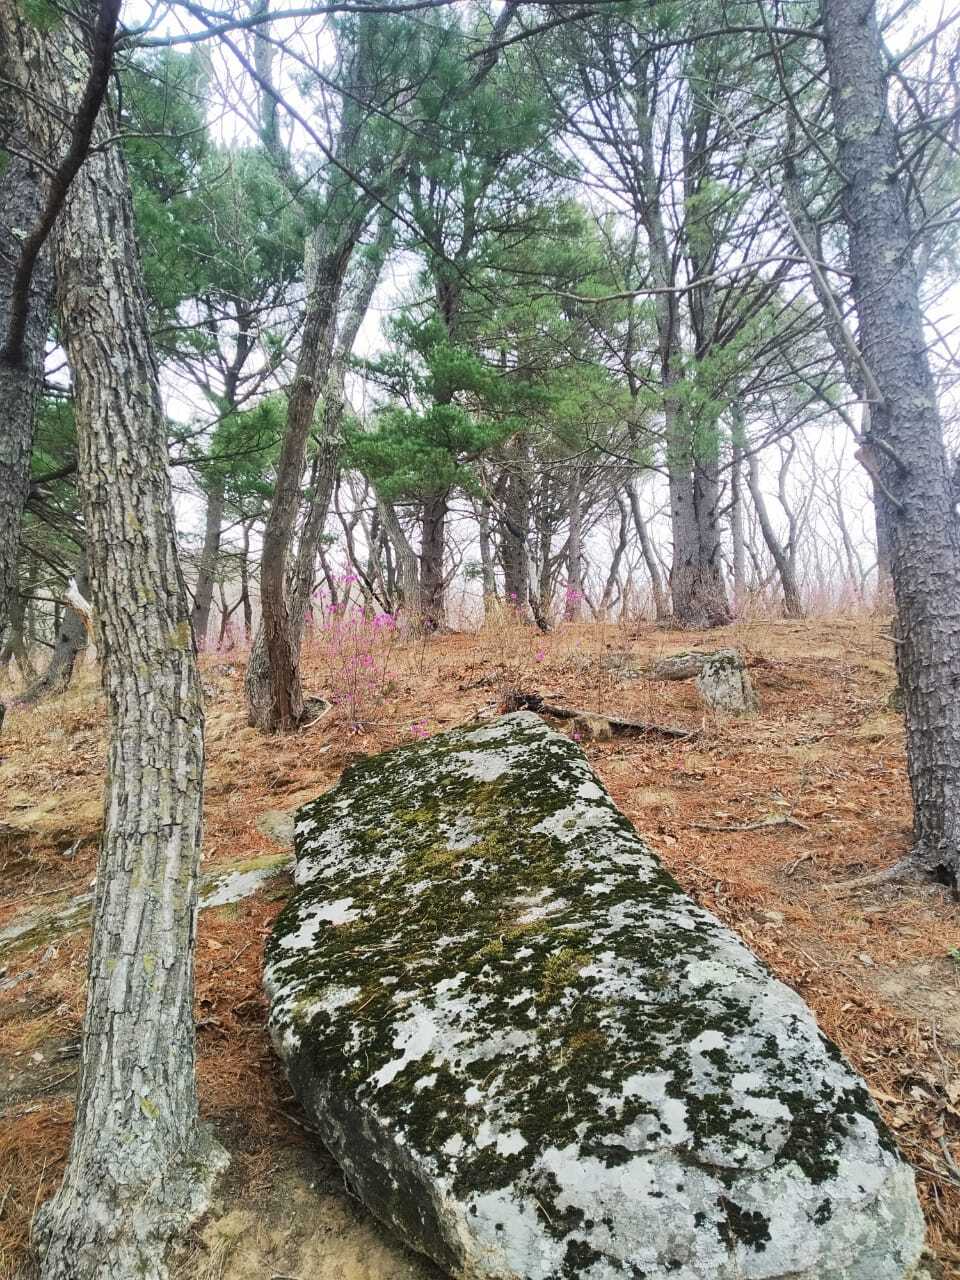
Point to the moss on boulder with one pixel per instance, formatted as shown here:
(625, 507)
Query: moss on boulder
(534, 1056)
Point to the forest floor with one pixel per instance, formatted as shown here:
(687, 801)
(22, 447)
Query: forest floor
(878, 963)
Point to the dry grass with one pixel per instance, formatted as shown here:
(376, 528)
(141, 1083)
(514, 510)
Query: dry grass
(874, 963)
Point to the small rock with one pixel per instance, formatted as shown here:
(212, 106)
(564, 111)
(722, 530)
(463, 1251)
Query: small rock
(724, 684)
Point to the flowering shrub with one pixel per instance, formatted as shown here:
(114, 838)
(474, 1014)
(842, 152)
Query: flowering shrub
(354, 644)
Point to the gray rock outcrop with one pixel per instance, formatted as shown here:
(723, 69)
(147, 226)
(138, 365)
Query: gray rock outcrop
(535, 1057)
(724, 683)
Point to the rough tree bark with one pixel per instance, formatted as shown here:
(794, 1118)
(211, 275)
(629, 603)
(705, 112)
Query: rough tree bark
(139, 1164)
(514, 536)
(700, 598)
(21, 371)
(906, 438)
(433, 528)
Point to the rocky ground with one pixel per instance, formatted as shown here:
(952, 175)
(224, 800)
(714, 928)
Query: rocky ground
(764, 820)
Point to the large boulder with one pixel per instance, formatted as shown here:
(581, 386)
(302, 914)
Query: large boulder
(534, 1056)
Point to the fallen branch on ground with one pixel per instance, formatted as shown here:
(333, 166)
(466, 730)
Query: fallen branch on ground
(904, 868)
(771, 820)
(618, 725)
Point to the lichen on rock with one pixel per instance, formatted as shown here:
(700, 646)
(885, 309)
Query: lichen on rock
(534, 1056)
(724, 683)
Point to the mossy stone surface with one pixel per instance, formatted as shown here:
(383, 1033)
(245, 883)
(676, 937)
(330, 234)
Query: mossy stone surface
(534, 1056)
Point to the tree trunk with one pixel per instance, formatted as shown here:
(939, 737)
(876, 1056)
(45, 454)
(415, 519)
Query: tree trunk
(906, 437)
(245, 583)
(209, 554)
(711, 588)
(792, 605)
(613, 577)
(323, 477)
(406, 560)
(216, 493)
(71, 640)
(432, 547)
(515, 535)
(139, 1166)
(736, 524)
(487, 572)
(327, 459)
(14, 646)
(660, 605)
(884, 597)
(21, 377)
(574, 597)
(274, 691)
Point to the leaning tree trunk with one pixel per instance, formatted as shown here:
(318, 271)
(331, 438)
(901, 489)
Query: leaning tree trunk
(612, 583)
(323, 479)
(327, 459)
(70, 642)
(139, 1166)
(21, 370)
(274, 691)
(905, 440)
(782, 557)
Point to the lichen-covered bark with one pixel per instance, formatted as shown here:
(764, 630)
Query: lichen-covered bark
(535, 1057)
(139, 1166)
(904, 440)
